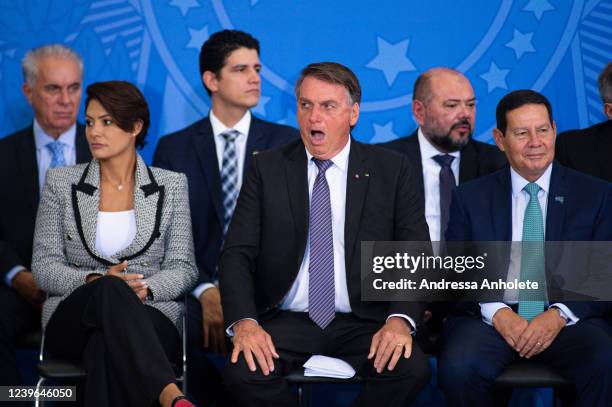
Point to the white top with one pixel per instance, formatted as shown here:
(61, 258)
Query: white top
(431, 183)
(115, 231)
(520, 199)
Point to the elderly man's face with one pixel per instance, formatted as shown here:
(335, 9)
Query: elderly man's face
(447, 119)
(55, 95)
(325, 117)
(529, 140)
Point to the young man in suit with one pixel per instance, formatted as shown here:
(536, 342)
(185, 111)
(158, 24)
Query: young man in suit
(290, 267)
(52, 85)
(589, 150)
(535, 199)
(442, 153)
(214, 153)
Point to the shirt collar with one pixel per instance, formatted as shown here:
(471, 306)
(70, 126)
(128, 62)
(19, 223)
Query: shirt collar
(340, 160)
(518, 182)
(41, 139)
(242, 126)
(428, 150)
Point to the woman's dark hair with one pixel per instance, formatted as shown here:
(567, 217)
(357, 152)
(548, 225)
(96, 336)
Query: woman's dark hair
(125, 103)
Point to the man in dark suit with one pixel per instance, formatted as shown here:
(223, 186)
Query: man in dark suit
(442, 152)
(213, 153)
(589, 150)
(535, 199)
(53, 76)
(290, 267)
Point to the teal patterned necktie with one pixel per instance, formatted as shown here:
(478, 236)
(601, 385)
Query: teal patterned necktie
(531, 302)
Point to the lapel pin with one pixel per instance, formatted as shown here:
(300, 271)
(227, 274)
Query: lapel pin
(255, 152)
(367, 174)
(356, 176)
(559, 199)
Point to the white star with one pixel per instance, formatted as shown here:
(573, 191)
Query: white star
(185, 5)
(521, 43)
(253, 2)
(495, 77)
(197, 37)
(383, 133)
(260, 109)
(538, 7)
(392, 59)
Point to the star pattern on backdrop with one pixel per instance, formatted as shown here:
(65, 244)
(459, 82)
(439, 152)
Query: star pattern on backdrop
(521, 43)
(495, 77)
(197, 37)
(260, 109)
(185, 5)
(383, 133)
(392, 59)
(538, 7)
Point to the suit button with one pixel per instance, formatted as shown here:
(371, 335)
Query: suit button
(68, 237)
(144, 264)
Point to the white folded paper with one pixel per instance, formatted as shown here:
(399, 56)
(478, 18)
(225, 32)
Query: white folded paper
(324, 366)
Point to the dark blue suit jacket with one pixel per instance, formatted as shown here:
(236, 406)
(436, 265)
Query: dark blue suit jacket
(579, 209)
(192, 152)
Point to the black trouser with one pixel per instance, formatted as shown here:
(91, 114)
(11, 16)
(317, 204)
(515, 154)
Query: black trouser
(126, 347)
(296, 338)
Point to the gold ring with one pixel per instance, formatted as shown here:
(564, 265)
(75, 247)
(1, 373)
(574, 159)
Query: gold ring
(399, 344)
(539, 343)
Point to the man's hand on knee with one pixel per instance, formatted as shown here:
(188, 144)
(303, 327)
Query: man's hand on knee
(256, 344)
(389, 343)
(509, 325)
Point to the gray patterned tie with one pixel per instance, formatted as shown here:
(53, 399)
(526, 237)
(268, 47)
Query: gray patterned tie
(56, 148)
(321, 291)
(229, 176)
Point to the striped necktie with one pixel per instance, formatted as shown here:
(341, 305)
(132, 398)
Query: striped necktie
(321, 290)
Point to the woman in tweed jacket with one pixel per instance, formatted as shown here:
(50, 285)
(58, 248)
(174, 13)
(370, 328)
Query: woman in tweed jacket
(113, 249)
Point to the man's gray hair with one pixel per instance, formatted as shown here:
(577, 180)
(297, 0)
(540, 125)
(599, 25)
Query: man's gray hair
(605, 84)
(32, 59)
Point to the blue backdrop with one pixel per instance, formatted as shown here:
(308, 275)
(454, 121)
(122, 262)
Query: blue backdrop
(557, 47)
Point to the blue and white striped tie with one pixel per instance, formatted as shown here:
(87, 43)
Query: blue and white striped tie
(321, 290)
(229, 176)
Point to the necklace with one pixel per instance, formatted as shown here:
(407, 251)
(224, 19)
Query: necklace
(118, 186)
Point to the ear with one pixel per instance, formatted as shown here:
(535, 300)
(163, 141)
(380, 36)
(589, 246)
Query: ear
(27, 92)
(608, 110)
(210, 80)
(499, 139)
(137, 127)
(418, 110)
(354, 114)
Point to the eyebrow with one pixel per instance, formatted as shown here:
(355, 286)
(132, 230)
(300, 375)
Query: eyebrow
(99, 117)
(459, 100)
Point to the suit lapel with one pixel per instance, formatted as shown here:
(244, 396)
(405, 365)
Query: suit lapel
(413, 150)
(207, 154)
(297, 186)
(86, 203)
(555, 212)
(603, 147)
(357, 179)
(468, 163)
(501, 208)
(28, 166)
(255, 143)
(83, 154)
(146, 202)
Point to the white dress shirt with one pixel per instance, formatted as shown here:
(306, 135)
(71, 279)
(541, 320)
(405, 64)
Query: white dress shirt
(43, 159)
(520, 199)
(242, 127)
(431, 183)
